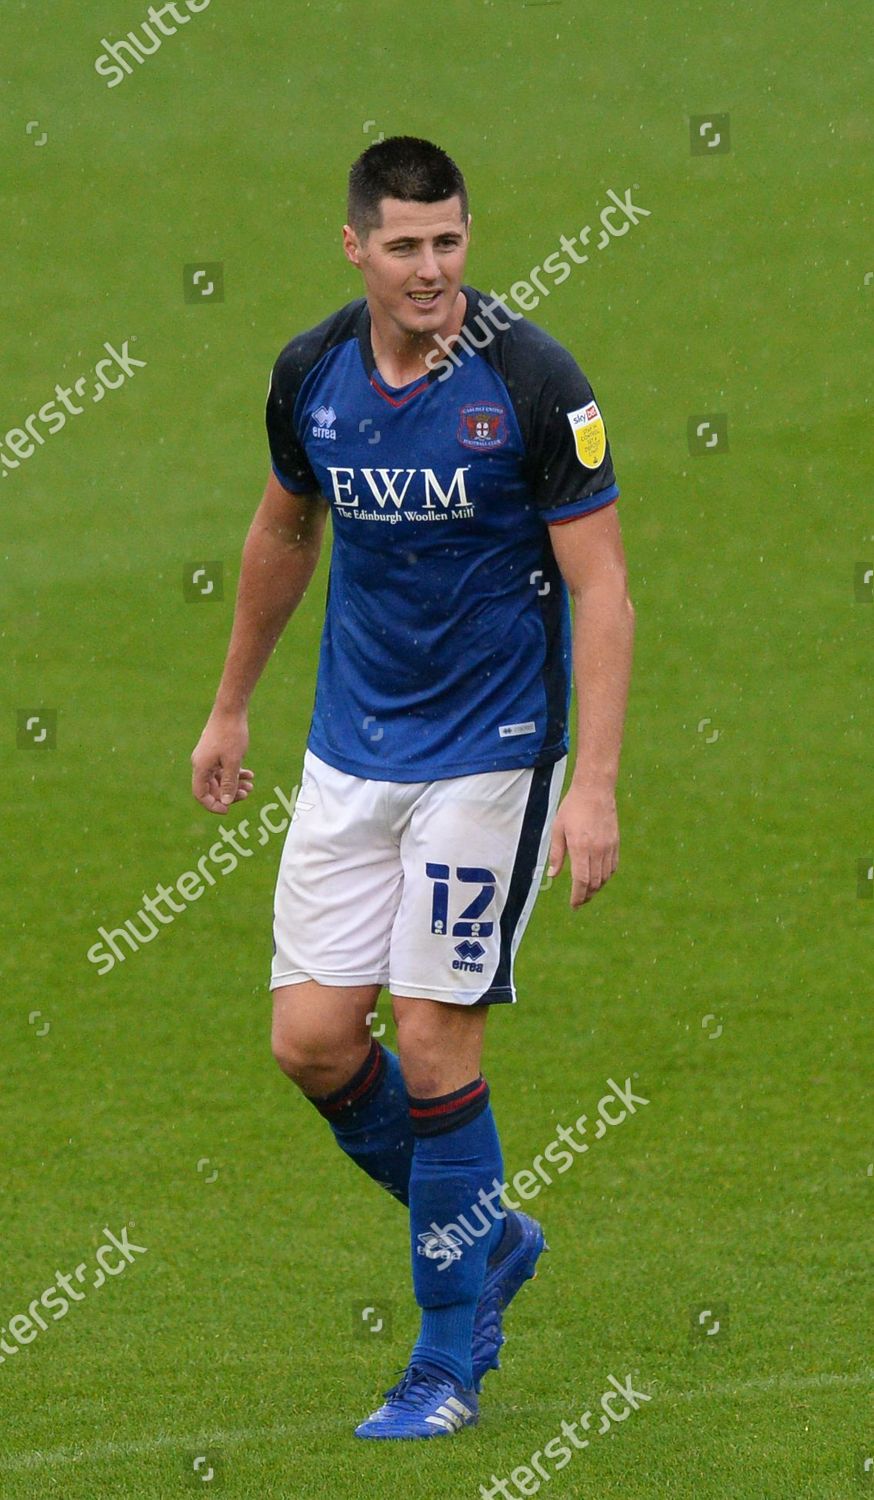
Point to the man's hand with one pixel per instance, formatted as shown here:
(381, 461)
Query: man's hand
(279, 558)
(586, 826)
(218, 779)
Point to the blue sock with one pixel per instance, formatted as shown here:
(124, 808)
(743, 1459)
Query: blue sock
(454, 1225)
(370, 1119)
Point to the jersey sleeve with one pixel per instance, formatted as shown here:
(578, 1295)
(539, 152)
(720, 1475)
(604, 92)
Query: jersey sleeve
(568, 459)
(290, 463)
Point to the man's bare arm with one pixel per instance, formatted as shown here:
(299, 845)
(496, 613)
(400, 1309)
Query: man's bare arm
(590, 556)
(279, 558)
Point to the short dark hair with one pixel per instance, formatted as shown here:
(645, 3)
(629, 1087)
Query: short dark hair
(404, 167)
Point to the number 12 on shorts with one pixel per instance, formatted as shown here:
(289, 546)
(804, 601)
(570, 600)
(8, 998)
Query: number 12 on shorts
(468, 923)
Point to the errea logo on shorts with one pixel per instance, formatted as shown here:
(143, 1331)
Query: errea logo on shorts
(324, 418)
(468, 953)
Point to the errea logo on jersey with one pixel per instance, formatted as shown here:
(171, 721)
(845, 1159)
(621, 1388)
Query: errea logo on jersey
(324, 418)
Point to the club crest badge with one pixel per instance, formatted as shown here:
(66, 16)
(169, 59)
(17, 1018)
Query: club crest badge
(482, 426)
(587, 426)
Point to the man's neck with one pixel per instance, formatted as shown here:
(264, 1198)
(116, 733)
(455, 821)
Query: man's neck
(402, 357)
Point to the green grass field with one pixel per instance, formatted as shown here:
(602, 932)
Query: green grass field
(727, 965)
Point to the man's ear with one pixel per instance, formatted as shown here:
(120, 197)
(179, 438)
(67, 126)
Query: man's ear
(351, 247)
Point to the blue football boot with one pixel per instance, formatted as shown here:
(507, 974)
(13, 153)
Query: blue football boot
(514, 1263)
(422, 1405)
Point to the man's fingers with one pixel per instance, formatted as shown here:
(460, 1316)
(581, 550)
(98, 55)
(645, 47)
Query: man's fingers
(200, 786)
(206, 789)
(245, 784)
(216, 789)
(591, 873)
(229, 783)
(556, 853)
(593, 859)
(580, 882)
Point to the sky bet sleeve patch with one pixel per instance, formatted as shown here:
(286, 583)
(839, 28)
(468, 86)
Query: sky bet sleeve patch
(587, 426)
(567, 460)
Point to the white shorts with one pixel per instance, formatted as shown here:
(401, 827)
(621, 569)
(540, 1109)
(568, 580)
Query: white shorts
(425, 887)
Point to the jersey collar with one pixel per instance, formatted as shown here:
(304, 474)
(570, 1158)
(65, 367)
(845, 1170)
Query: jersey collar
(400, 395)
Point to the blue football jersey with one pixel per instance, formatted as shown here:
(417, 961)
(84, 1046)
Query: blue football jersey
(446, 647)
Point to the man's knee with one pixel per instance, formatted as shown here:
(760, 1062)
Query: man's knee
(439, 1045)
(318, 1047)
(297, 1055)
(316, 1063)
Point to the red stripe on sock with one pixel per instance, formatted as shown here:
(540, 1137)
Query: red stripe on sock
(450, 1105)
(362, 1088)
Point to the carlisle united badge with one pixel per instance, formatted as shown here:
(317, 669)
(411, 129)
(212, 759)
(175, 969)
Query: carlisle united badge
(482, 426)
(587, 426)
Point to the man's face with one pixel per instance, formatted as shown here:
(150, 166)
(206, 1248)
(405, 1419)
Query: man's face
(413, 263)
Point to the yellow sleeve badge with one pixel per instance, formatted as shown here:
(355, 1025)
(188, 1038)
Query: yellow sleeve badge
(587, 426)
